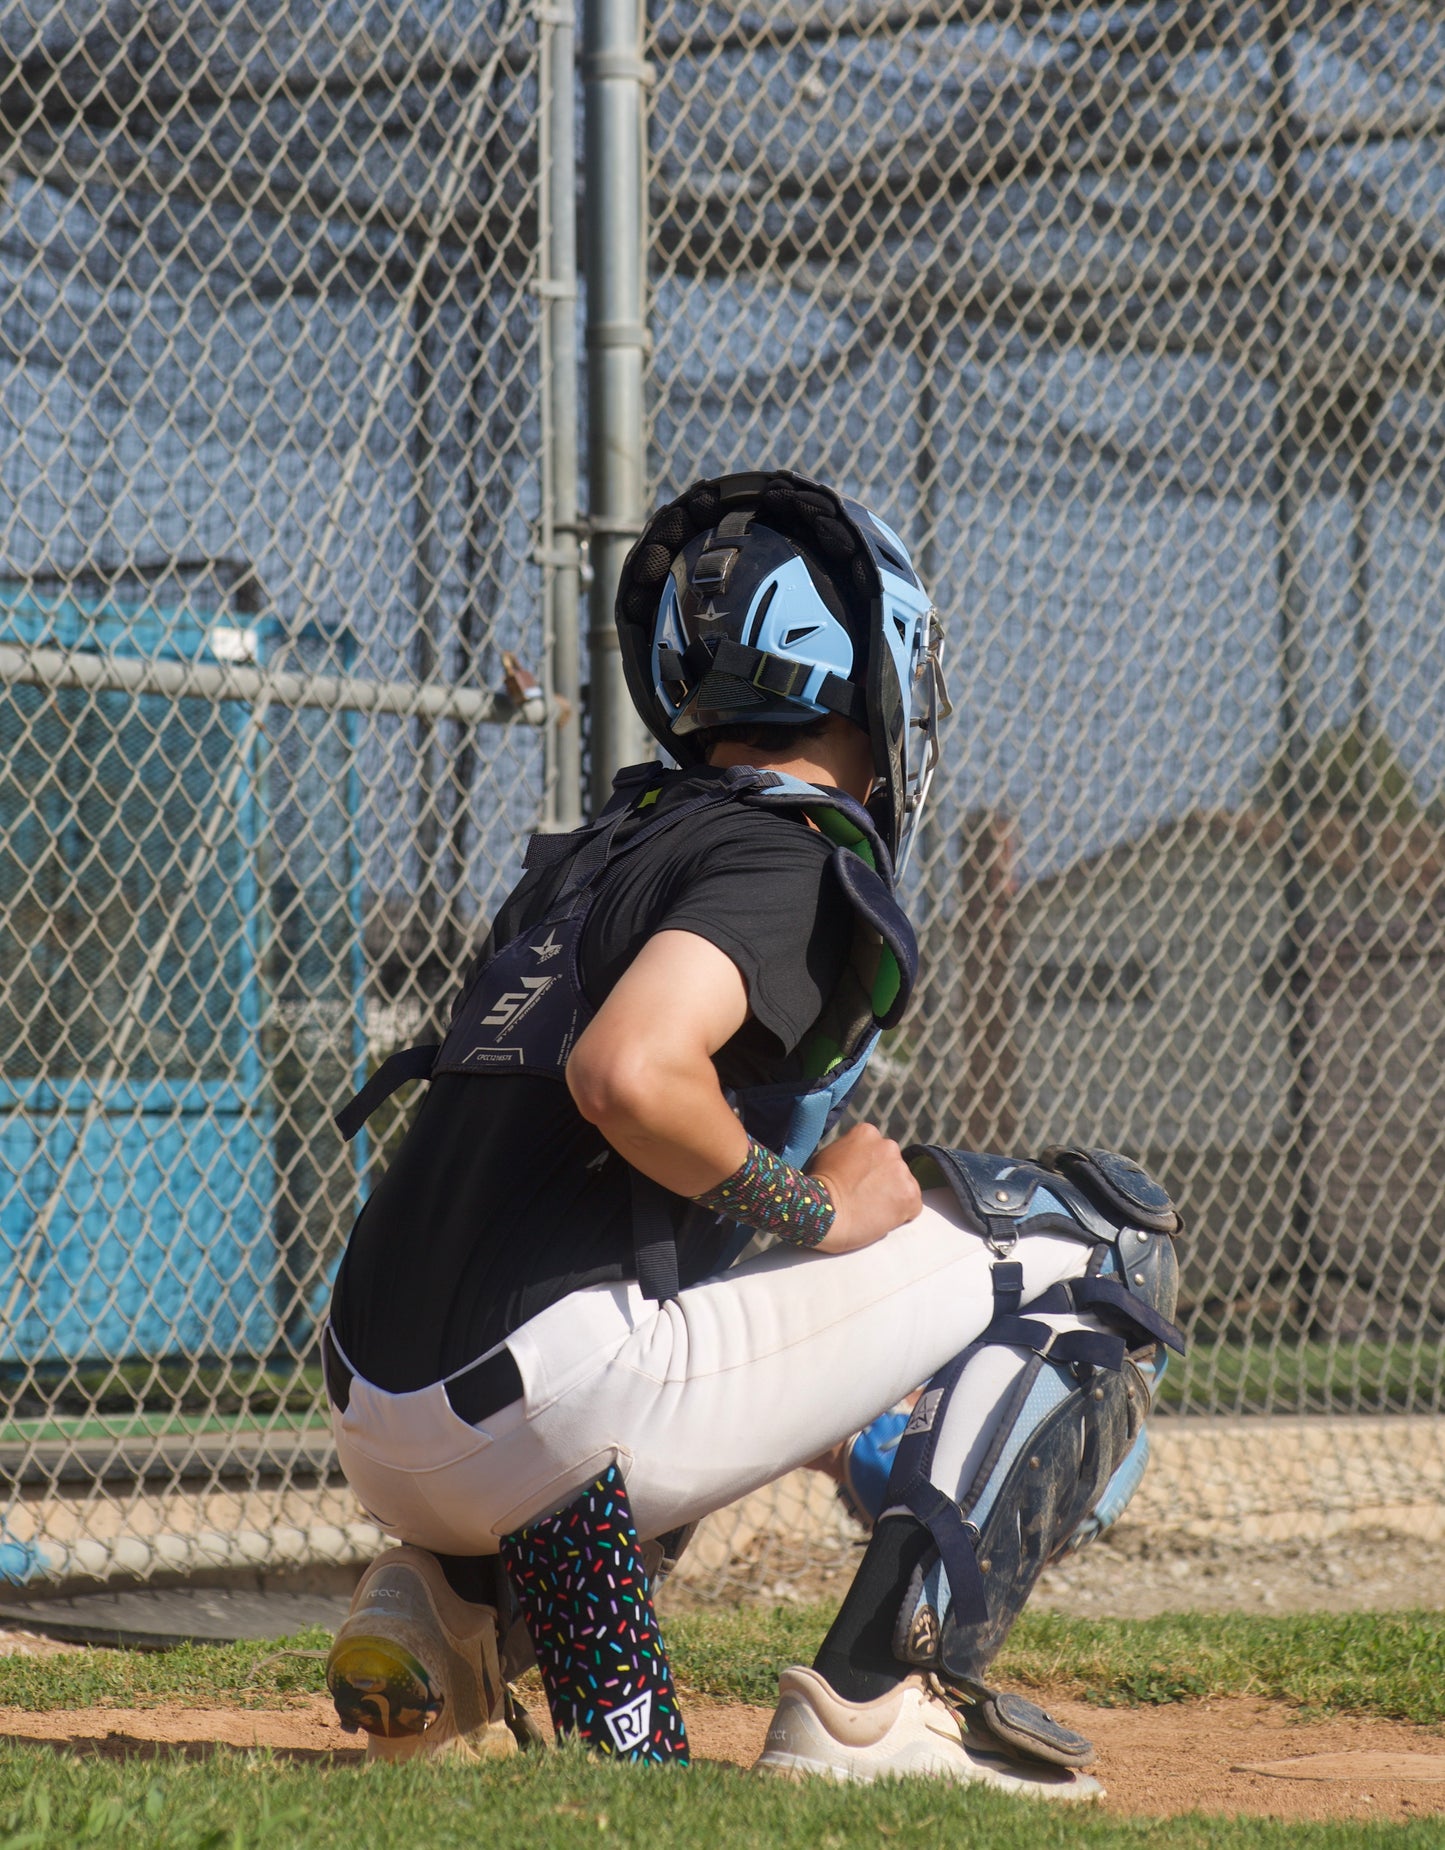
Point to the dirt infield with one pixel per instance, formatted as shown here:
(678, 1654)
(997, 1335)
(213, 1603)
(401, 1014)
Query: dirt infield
(1154, 1761)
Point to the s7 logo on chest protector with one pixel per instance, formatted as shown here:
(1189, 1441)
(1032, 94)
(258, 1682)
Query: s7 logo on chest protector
(509, 1007)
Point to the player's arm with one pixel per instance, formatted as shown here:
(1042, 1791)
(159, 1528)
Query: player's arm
(642, 1072)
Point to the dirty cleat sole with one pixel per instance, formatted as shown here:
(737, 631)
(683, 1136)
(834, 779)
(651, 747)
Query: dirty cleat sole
(415, 1667)
(380, 1688)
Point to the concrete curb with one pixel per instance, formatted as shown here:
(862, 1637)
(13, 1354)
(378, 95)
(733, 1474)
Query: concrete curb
(1245, 1480)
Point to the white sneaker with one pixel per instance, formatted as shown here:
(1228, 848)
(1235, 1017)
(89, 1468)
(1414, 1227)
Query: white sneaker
(911, 1730)
(415, 1666)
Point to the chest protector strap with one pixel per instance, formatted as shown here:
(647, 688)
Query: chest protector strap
(654, 1237)
(406, 1063)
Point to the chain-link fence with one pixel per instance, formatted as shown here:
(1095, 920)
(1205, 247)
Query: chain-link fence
(1129, 317)
(1126, 315)
(273, 457)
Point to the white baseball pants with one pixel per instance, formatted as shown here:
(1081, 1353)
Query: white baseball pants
(701, 1400)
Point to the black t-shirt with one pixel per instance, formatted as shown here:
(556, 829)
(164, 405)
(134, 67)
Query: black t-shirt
(501, 1197)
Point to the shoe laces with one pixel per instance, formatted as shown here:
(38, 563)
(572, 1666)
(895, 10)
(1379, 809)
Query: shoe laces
(958, 1706)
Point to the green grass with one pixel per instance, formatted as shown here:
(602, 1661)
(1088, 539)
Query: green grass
(160, 1426)
(1359, 1663)
(1306, 1377)
(129, 1390)
(1368, 1664)
(1340, 1664)
(237, 1801)
(1353, 1663)
(1365, 1664)
(259, 1675)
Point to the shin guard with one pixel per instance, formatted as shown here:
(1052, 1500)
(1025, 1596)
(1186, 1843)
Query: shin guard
(584, 1595)
(1066, 1446)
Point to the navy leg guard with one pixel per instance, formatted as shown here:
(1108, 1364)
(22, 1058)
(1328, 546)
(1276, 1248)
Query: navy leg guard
(1057, 1446)
(584, 1595)
(1067, 1448)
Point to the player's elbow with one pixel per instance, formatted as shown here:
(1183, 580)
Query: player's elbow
(614, 1085)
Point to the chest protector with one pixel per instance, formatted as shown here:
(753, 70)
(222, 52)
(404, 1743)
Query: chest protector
(522, 1005)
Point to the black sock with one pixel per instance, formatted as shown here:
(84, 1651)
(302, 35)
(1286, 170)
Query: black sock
(856, 1658)
(472, 1577)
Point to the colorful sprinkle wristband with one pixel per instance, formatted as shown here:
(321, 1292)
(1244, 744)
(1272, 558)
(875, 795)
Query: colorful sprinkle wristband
(770, 1196)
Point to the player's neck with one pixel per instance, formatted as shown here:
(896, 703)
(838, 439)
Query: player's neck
(840, 758)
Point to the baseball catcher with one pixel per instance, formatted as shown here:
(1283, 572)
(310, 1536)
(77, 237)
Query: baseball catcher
(609, 1282)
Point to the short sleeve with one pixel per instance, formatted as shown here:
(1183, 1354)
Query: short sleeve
(765, 895)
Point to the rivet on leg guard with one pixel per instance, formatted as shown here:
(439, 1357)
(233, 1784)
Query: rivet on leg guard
(580, 1582)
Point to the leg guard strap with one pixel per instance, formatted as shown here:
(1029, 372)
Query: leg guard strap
(1116, 1301)
(955, 1541)
(910, 1487)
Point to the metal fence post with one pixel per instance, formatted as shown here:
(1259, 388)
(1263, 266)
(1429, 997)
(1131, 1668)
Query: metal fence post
(559, 289)
(615, 261)
(1284, 474)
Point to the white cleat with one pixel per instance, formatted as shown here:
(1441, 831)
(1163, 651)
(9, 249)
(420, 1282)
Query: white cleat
(415, 1666)
(911, 1730)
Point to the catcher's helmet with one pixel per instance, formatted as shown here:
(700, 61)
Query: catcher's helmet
(769, 598)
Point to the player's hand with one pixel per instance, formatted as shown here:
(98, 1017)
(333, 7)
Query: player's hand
(873, 1189)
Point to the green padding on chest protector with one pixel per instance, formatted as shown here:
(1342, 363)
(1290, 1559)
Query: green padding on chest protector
(887, 982)
(844, 834)
(820, 1055)
(887, 977)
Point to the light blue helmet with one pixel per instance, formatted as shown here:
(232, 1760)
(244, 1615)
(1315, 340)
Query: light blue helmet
(767, 599)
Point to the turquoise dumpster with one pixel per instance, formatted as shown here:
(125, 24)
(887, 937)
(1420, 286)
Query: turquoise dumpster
(137, 1175)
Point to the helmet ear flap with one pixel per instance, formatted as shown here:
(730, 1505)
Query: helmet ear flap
(644, 572)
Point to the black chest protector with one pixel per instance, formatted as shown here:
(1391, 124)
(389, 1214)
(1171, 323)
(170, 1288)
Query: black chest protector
(522, 1005)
